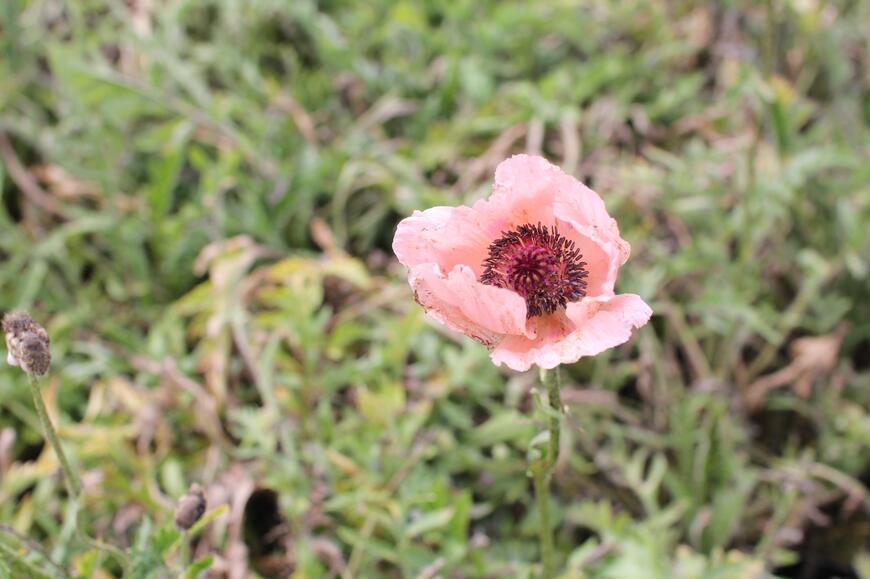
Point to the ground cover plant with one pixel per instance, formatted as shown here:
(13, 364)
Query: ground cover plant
(198, 200)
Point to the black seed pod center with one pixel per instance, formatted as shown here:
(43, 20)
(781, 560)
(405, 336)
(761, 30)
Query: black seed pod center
(539, 264)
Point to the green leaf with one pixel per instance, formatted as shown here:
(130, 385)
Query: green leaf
(507, 426)
(430, 522)
(199, 566)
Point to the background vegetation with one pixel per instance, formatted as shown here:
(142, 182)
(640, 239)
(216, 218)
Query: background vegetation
(197, 198)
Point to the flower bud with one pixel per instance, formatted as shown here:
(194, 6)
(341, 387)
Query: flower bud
(27, 344)
(190, 508)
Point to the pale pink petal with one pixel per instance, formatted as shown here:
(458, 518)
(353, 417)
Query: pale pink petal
(526, 176)
(451, 236)
(539, 191)
(601, 260)
(597, 236)
(445, 249)
(523, 193)
(448, 236)
(584, 207)
(587, 328)
(460, 302)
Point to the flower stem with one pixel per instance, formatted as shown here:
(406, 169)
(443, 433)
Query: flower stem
(541, 478)
(542, 469)
(553, 382)
(184, 551)
(74, 484)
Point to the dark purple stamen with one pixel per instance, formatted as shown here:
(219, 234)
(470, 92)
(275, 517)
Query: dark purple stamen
(538, 263)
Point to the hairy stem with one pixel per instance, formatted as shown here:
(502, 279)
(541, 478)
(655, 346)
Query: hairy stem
(74, 484)
(553, 382)
(541, 477)
(542, 469)
(184, 551)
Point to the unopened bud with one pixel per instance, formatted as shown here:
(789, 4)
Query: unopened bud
(27, 344)
(190, 508)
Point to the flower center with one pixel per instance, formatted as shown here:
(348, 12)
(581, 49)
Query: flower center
(538, 263)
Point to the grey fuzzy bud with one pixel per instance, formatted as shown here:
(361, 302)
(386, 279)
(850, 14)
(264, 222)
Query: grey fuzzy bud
(190, 508)
(27, 344)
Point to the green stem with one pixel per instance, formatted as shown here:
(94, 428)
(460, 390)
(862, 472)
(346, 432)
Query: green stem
(19, 565)
(553, 382)
(22, 546)
(74, 484)
(541, 478)
(542, 469)
(184, 551)
(117, 554)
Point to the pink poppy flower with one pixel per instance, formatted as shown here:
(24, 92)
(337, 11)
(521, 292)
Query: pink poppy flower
(529, 272)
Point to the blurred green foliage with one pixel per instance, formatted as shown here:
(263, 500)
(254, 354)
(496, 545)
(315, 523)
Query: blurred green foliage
(197, 197)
